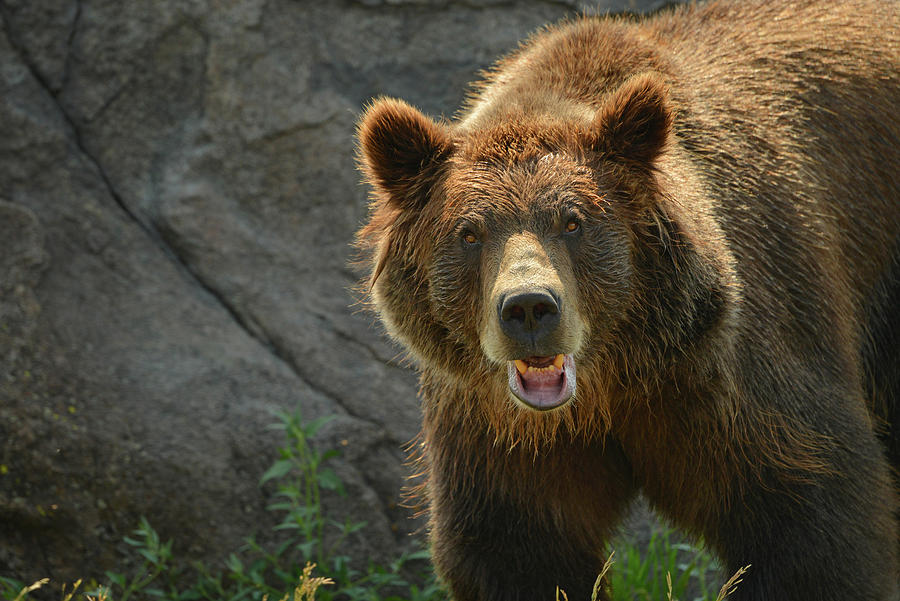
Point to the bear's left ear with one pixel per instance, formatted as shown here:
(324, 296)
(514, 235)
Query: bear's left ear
(400, 149)
(635, 122)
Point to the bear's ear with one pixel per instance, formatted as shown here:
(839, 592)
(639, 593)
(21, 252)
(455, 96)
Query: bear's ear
(400, 150)
(635, 122)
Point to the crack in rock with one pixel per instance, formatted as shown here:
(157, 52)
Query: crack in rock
(70, 43)
(253, 330)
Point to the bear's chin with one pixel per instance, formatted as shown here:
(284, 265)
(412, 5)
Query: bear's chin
(542, 388)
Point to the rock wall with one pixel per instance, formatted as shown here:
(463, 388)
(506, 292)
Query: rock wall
(177, 199)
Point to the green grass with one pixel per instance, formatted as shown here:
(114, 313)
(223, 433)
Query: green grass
(308, 558)
(662, 568)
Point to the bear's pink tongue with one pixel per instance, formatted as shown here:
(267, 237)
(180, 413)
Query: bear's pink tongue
(542, 382)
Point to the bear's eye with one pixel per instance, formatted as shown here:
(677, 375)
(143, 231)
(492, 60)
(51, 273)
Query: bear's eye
(470, 238)
(572, 225)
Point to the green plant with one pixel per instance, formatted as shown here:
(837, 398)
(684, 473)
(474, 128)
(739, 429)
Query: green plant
(156, 559)
(302, 475)
(300, 496)
(664, 570)
(312, 535)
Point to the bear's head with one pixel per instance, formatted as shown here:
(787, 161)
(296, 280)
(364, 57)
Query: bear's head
(513, 248)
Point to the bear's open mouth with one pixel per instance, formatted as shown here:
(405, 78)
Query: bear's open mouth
(542, 383)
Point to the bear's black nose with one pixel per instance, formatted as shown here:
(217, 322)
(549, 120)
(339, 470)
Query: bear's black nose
(527, 316)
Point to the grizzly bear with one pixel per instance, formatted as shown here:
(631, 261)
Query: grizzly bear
(656, 254)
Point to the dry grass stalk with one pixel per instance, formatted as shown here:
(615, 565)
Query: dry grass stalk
(23, 594)
(731, 586)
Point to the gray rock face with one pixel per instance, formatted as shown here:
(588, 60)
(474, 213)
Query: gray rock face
(178, 196)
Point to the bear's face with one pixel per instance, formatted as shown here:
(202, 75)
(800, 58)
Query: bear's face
(505, 252)
(528, 262)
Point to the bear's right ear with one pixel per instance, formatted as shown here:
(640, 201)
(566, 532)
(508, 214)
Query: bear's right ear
(400, 150)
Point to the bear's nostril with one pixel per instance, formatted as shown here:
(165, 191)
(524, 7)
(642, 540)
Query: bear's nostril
(542, 309)
(515, 312)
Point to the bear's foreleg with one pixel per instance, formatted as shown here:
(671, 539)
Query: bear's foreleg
(514, 525)
(827, 533)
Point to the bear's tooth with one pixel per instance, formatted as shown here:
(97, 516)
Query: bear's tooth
(521, 366)
(558, 362)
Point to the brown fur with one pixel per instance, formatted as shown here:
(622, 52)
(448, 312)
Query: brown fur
(730, 294)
